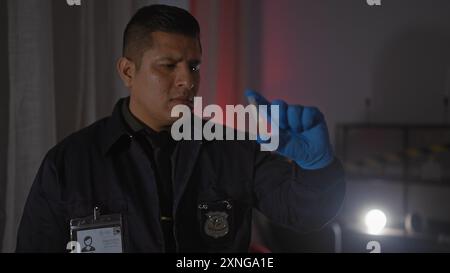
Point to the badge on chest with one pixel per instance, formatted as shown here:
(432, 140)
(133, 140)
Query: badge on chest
(216, 220)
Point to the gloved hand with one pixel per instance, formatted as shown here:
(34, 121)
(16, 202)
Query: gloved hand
(303, 133)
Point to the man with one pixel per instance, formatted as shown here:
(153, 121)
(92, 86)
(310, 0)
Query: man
(178, 196)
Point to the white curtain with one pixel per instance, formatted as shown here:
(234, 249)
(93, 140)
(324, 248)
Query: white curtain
(61, 78)
(31, 106)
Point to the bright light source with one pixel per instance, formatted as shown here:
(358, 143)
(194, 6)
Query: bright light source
(375, 221)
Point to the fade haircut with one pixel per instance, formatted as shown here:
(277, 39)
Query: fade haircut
(137, 35)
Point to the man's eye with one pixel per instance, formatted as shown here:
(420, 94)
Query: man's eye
(170, 66)
(195, 68)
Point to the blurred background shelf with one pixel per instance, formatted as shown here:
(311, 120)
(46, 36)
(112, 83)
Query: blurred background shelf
(404, 171)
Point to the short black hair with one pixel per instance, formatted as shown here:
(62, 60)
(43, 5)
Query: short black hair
(137, 38)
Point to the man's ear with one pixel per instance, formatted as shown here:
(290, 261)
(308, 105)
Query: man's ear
(127, 70)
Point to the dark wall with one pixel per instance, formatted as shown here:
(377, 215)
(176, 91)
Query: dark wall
(335, 54)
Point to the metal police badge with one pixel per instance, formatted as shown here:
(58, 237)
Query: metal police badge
(216, 224)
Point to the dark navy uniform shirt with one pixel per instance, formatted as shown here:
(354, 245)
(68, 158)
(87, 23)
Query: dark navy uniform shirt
(215, 186)
(159, 147)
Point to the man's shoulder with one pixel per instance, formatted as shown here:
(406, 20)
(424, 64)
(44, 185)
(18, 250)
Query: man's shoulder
(85, 139)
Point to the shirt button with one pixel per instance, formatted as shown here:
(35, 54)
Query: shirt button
(130, 139)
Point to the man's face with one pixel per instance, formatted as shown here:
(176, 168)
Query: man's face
(168, 76)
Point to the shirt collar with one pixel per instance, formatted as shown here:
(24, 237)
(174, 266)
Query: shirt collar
(116, 130)
(130, 119)
(156, 139)
(119, 132)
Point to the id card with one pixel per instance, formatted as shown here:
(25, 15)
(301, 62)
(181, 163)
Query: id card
(97, 233)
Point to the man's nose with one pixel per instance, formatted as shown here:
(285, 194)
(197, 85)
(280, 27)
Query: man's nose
(185, 78)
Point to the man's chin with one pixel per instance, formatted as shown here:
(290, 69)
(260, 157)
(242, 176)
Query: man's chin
(171, 120)
(175, 103)
(180, 110)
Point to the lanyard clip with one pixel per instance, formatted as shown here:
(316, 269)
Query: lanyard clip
(96, 213)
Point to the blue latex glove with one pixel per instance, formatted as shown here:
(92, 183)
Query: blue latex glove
(303, 133)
